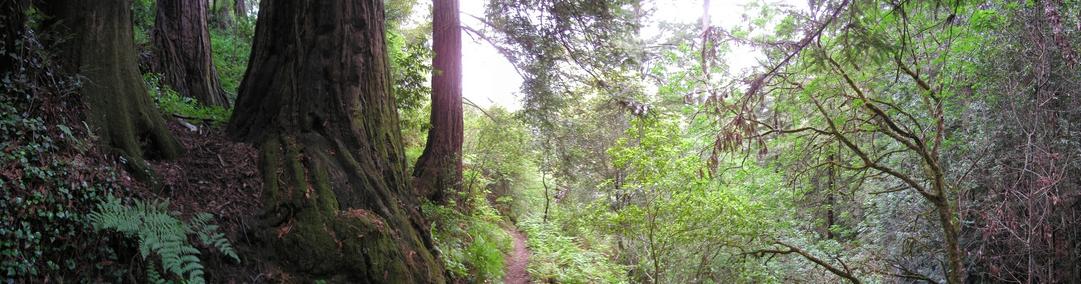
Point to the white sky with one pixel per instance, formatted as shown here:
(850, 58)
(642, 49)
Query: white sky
(489, 79)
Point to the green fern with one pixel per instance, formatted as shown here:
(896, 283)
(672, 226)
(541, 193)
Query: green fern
(161, 233)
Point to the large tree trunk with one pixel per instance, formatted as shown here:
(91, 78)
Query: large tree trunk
(439, 168)
(182, 49)
(100, 48)
(316, 101)
(12, 26)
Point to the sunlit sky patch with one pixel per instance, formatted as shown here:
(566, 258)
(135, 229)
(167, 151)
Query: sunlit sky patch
(489, 79)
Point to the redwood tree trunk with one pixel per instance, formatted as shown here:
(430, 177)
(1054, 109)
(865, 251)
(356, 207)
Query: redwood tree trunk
(182, 47)
(316, 101)
(12, 26)
(438, 172)
(100, 48)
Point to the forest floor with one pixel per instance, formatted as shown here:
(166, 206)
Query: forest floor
(221, 177)
(518, 261)
(215, 175)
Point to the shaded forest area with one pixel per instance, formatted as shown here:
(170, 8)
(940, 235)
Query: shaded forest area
(303, 141)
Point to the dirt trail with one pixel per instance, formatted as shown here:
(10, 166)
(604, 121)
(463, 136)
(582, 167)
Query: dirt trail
(517, 262)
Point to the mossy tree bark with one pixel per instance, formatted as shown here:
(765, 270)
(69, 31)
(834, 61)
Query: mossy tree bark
(182, 48)
(316, 101)
(99, 47)
(438, 172)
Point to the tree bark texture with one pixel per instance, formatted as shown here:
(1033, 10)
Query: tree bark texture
(12, 26)
(100, 48)
(438, 172)
(316, 101)
(182, 48)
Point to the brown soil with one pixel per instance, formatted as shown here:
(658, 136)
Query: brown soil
(518, 260)
(221, 177)
(214, 175)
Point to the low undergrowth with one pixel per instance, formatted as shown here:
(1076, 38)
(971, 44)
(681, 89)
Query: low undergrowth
(49, 182)
(162, 235)
(230, 50)
(53, 175)
(560, 258)
(472, 243)
(172, 103)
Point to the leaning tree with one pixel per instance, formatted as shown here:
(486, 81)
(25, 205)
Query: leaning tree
(316, 101)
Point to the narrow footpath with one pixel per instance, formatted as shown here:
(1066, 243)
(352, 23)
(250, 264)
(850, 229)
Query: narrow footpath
(518, 260)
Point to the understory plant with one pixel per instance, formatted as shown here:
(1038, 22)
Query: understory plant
(171, 102)
(164, 236)
(470, 238)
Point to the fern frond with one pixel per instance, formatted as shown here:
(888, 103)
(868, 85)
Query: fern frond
(159, 232)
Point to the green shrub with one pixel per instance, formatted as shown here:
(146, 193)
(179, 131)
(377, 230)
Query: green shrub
(170, 102)
(143, 13)
(230, 55)
(410, 66)
(560, 258)
(44, 200)
(162, 234)
(50, 177)
(472, 244)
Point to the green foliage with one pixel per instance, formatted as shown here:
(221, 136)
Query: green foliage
(143, 13)
(555, 43)
(171, 102)
(689, 222)
(497, 150)
(162, 234)
(472, 244)
(230, 51)
(559, 258)
(50, 176)
(411, 64)
(43, 230)
(470, 235)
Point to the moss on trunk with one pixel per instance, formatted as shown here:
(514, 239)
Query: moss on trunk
(316, 102)
(100, 48)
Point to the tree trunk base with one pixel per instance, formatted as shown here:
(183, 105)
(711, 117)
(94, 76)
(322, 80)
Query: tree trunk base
(308, 232)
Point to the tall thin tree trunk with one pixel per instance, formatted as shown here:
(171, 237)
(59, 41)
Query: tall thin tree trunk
(101, 49)
(438, 171)
(182, 48)
(316, 101)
